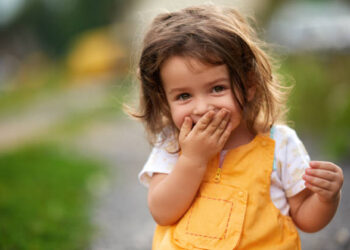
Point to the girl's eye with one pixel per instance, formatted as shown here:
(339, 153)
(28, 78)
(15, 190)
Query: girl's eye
(183, 96)
(218, 88)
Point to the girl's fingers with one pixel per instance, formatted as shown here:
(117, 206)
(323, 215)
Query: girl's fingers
(225, 135)
(217, 120)
(222, 126)
(318, 182)
(185, 128)
(327, 195)
(204, 121)
(327, 171)
(320, 173)
(324, 165)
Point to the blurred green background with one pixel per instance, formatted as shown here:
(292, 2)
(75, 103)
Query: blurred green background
(67, 65)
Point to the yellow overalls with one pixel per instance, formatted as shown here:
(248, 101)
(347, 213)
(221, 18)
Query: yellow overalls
(233, 209)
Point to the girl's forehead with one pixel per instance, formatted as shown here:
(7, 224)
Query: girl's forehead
(193, 64)
(180, 71)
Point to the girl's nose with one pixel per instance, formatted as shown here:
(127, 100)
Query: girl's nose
(202, 106)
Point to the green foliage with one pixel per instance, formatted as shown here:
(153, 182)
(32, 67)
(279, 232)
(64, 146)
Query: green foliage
(320, 101)
(55, 23)
(44, 198)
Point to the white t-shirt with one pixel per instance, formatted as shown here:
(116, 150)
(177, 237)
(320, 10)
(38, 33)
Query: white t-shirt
(291, 160)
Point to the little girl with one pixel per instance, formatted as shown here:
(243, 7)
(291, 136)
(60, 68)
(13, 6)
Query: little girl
(224, 172)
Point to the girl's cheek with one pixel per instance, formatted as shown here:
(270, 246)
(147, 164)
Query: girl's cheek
(179, 120)
(178, 123)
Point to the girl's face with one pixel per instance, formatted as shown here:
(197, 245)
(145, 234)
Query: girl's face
(193, 88)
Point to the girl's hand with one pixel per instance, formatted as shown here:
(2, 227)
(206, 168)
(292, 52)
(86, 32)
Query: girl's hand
(325, 179)
(207, 137)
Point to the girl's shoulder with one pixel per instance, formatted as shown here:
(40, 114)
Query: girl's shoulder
(283, 130)
(285, 135)
(288, 147)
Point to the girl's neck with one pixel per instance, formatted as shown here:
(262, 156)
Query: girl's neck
(239, 136)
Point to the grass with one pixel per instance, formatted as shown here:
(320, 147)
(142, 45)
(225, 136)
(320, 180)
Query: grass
(45, 198)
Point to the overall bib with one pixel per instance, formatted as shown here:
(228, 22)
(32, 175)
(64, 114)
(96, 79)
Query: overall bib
(233, 209)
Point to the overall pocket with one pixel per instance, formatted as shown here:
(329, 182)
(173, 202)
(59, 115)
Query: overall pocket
(215, 219)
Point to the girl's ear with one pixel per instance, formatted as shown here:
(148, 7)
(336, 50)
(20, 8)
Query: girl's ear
(251, 93)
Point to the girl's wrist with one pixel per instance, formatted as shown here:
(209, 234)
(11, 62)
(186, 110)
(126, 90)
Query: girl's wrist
(193, 161)
(333, 200)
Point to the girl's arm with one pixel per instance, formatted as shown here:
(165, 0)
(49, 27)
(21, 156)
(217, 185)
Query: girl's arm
(170, 195)
(313, 208)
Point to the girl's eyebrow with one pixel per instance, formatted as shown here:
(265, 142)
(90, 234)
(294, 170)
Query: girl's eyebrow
(176, 90)
(221, 79)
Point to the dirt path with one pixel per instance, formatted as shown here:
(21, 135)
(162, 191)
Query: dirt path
(121, 213)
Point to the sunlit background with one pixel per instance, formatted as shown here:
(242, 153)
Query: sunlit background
(69, 156)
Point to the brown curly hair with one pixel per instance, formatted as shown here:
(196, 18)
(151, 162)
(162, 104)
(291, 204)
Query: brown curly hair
(216, 36)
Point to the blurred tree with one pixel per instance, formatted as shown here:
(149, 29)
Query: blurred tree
(54, 23)
(270, 7)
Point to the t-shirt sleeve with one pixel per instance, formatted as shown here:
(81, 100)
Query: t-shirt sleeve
(159, 161)
(293, 163)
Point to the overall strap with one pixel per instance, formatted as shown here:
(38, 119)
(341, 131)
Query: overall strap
(272, 132)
